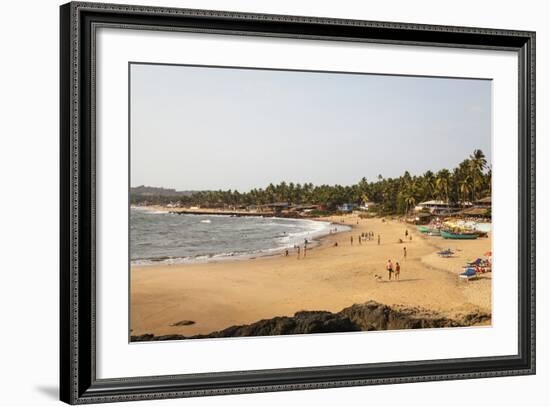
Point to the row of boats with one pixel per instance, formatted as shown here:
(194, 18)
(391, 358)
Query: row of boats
(448, 233)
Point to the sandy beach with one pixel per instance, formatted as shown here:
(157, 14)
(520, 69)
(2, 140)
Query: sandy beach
(220, 294)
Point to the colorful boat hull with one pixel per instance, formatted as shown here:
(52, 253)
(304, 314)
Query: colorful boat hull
(460, 236)
(427, 230)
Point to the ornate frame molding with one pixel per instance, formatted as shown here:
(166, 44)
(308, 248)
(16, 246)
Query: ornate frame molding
(79, 384)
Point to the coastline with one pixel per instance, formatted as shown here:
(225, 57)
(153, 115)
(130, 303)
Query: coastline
(213, 211)
(216, 295)
(315, 241)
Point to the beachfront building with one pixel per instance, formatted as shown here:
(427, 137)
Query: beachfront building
(367, 206)
(481, 209)
(304, 209)
(476, 213)
(433, 206)
(421, 218)
(346, 207)
(483, 202)
(438, 207)
(275, 207)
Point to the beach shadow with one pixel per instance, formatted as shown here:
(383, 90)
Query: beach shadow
(404, 280)
(407, 280)
(51, 392)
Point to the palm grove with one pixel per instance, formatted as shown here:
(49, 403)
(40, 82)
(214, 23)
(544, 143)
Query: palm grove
(469, 181)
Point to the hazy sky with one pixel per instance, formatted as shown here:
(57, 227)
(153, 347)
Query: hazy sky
(197, 128)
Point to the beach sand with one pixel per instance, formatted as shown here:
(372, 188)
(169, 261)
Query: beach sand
(218, 295)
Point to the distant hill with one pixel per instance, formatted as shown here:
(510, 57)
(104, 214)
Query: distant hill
(143, 190)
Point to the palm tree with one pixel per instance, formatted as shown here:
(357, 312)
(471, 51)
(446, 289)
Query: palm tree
(442, 184)
(410, 201)
(479, 157)
(470, 179)
(478, 162)
(429, 185)
(464, 190)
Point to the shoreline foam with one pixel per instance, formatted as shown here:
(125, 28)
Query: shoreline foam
(315, 237)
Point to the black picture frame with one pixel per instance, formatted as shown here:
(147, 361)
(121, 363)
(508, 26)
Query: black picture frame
(78, 382)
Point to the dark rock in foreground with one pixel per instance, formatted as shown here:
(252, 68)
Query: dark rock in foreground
(185, 322)
(373, 316)
(370, 316)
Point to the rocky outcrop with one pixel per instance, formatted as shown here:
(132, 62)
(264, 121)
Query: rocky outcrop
(373, 316)
(370, 316)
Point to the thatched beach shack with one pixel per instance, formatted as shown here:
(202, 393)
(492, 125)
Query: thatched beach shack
(483, 202)
(276, 207)
(434, 206)
(477, 213)
(442, 208)
(421, 218)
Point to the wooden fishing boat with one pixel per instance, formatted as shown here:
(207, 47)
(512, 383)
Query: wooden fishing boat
(428, 230)
(445, 234)
(423, 229)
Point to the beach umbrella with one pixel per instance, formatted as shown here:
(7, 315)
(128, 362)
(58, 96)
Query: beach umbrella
(488, 254)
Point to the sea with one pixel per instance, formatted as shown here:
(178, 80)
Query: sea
(164, 237)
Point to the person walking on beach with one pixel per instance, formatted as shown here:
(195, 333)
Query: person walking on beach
(389, 267)
(305, 250)
(378, 240)
(406, 232)
(404, 252)
(359, 239)
(351, 240)
(298, 247)
(397, 270)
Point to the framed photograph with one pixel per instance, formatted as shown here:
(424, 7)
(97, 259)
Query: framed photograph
(254, 203)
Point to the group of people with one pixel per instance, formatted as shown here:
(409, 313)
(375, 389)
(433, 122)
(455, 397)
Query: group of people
(393, 270)
(367, 235)
(407, 235)
(364, 237)
(299, 249)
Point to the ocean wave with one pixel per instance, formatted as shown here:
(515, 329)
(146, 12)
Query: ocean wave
(200, 258)
(318, 229)
(149, 210)
(230, 245)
